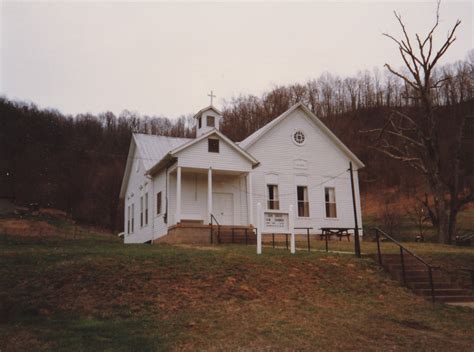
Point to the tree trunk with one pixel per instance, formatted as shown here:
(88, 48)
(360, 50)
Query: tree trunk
(441, 207)
(453, 213)
(443, 223)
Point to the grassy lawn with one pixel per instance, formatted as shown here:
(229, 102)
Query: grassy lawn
(91, 294)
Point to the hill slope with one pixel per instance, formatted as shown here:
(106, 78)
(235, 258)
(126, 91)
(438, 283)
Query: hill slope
(80, 295)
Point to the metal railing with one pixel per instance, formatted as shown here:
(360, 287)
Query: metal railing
(287, 237)
(307, 236)
(235, 229)
(213, 219)
(403, 251)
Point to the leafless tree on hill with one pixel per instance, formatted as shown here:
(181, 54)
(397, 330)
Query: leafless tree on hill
(413, 136)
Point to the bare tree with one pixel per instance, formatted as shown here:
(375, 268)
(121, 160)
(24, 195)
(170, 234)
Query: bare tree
(418, 217)
(412, 135)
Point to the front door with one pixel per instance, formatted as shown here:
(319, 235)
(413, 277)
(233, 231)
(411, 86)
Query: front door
(223, 208)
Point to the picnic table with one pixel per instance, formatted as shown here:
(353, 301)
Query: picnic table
(327, 232)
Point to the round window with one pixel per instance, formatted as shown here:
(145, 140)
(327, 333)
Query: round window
(299, 137)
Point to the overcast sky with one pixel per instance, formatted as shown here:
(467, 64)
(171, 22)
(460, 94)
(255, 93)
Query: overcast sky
(161, 58)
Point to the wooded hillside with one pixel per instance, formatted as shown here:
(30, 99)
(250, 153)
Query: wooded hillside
(76, 163)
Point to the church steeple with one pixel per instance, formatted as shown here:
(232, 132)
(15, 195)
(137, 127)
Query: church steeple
(208, 118)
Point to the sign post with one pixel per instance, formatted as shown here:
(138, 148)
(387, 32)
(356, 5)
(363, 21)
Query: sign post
(291, 223)
(259, 228)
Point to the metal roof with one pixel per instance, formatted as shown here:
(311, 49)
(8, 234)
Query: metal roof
(153, 148)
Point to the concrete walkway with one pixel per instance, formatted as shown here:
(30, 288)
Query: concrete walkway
(462, 304)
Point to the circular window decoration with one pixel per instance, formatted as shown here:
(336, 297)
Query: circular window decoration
(299, 138)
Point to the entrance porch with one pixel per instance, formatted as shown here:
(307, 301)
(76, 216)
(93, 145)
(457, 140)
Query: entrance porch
(194, 195)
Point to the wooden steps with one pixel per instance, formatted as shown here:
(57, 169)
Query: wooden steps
(417, 278)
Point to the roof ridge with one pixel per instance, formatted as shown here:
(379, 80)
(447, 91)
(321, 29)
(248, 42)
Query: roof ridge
(158, 135)
(268, 125)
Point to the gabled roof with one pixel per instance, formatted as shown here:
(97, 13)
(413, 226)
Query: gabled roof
(210, 107)
(250, 140)
(151, 149)
(172, 153)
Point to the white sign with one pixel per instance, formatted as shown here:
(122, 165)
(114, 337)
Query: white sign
(275, 222)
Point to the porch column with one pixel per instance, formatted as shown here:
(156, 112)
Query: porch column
(249, 198)
(209, 193)
(178, 194)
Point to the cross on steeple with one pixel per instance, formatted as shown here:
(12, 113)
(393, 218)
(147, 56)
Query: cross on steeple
(211, 96)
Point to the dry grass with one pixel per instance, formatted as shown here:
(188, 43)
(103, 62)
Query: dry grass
(392, 208)
(80, 295)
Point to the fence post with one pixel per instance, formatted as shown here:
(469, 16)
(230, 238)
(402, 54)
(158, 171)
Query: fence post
(212, 234)
(309, 245)
(246, 237)
(431, 284)
(286, 236)
(403, 266)
(232, 235)
(273, 240)
(377, 236)
(326, 238)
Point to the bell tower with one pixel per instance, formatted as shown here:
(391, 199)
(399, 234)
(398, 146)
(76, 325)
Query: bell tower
(207, 119)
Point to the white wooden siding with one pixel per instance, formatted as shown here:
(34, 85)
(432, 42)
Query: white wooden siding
(228, 158)
(317, 161)
(204, 128)
(194, 196)
(315, 165)
(160, 228)
(132, 196)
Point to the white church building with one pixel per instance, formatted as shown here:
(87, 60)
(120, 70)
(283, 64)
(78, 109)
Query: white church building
(173, 188)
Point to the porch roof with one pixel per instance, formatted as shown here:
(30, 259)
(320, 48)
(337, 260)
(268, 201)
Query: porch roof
(171, 157)
(215, 171)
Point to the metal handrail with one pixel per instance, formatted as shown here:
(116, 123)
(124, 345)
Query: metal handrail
(403, 249)
(386, 235)
(213, 218)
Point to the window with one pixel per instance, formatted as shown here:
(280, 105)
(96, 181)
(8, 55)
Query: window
(273, 202)
(213, 145)
(200, 122)
(210, 121)
(146, 208)
(299, 138)
(128, 219)
(133, 217)
(330, 197)
(141, 211)
(158, 203)
(303, 202)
